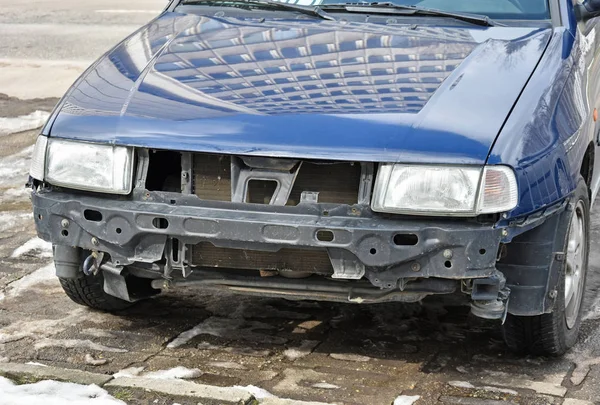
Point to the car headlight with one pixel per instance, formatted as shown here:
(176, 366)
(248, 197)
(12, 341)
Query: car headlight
(444, 190)
(83, 166)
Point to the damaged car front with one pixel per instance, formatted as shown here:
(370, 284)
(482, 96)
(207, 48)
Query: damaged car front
(357, 153)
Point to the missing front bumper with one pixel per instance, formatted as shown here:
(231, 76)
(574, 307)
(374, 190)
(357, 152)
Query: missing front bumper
(386, 250)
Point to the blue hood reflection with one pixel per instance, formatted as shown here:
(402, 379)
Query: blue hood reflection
(305, 88)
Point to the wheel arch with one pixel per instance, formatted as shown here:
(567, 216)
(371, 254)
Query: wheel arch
(587, 165)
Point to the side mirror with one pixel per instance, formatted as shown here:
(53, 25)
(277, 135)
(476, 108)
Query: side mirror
(587, 10)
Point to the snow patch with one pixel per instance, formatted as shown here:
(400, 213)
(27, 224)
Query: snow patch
(19, 193)
(325, 386)
(76, 343)
(232, 328)
(177, 372)
(406, 399)
(45, 274)
(33, 363)
(121, 11)
(43, 248)
(129, 372)
(305, 348)
(54, 393)
(36, 119)
(173, 373)
(594, 312)
(259, 393)
(461, 384)
(9, 220)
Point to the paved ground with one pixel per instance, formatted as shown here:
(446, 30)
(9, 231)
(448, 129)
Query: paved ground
(307, 351)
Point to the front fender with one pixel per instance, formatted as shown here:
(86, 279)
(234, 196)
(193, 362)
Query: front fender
(548, 131)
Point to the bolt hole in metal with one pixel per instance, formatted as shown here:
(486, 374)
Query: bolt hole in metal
(448, 264)
(405, 239)
(160, 223)
(40, 217)
(64, 232)
(118, 230)
(373, 251)
(575, 259)
(92, 215)
(325, 235)
(482, 251)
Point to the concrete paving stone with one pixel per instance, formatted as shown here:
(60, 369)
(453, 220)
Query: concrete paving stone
(573, 401)
(589, 389)
(283, 401)
(223, 395)
(446, 399)
(349, 357)
(38, 372)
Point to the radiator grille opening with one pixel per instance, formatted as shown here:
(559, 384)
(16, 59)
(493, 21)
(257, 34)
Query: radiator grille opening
(212, 177)
(336, 182)
(261, 191)
(317, 261)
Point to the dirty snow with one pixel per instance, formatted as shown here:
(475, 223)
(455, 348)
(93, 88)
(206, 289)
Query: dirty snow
(305, 348)
(36, 119)
(46, 273)
(461, 384)
(54, 393)
(14, 168)
(232, 328)
(35, 245)
(129, 372)
(9, 220)
(42, 328)
(325, 386)
(468, 385)
(19, 193)
(594, 312)
(76, 343)
(406, 399)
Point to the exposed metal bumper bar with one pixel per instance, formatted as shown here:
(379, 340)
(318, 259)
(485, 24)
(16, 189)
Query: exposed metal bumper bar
(317, 288)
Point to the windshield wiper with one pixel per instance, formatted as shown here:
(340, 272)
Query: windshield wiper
(314, 11)
(392, 8)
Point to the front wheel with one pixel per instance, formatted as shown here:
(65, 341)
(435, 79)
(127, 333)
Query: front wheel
(556, 332)
(89, 291)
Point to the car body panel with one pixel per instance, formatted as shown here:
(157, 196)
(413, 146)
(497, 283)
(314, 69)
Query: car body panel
(552, 125)
(306, 89)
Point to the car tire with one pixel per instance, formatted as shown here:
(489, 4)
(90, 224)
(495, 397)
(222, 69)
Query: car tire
(556, 332)
(89, 291)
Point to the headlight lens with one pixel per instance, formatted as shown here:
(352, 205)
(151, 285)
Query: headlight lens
(444, 190)
(88, 166)
(38, 158)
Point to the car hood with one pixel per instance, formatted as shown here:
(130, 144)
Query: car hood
(304, 88)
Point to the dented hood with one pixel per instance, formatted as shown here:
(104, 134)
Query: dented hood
(305, 88)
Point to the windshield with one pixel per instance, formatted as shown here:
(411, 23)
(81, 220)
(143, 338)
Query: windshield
(496, 9)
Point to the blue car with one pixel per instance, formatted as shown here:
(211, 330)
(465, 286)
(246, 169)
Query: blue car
(351, 152)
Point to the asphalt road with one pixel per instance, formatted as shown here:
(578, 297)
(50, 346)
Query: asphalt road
(46, 44)
(306, 351)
